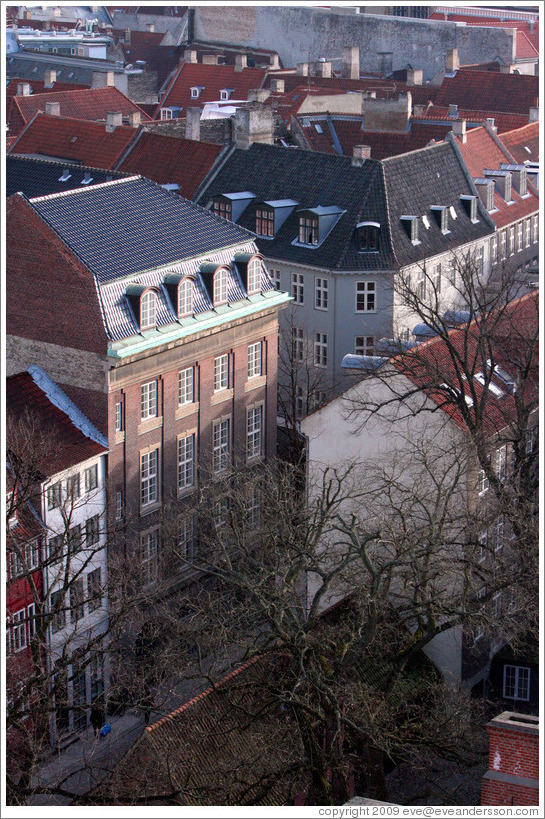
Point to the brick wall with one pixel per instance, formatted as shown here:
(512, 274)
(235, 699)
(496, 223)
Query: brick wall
(513, 765)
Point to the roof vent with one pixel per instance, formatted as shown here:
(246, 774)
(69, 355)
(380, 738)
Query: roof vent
(87, 179)
(66, 175)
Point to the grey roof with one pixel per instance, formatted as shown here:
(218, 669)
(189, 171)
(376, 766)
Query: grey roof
(133, 225)
(41, 177)
(32, 65)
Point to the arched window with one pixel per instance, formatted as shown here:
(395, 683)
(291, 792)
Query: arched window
(185, 298)
(254, 276)
(220, 286)
(148, 310)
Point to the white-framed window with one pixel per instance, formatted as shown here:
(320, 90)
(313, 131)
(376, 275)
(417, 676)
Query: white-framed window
(496, 605)
(19, 633)
(308, 230)
(479, 629)
(148, 311)
(91, 478)
(519, 237)
(437, 278)
(535, 228)
(149, 486)
(149, 543)
(119, 505)
(76, 600)
(421, 285)
(58, 611)
(364, 345)
(221, 512)
(366, 297)
(368, 238)
(92, 530)
(185, 298)
(444, 220)
(275, 277)
(254, 276)
(503, 245)
(483, 545)
(54, 495)
(516, 683)
(501, 462)
(527, 233)
(512, 240)
(320, 293)
(254, 508)
(119, 417)
(320, 349)
(530, 441)
(479, 260)
(500, 533)
(299, 402)
(55, 546)
(220, 445)
(31, 618)
(493, 248)
(221, 372)
(186, 540)
(298, 344)
(195, 91)
(186, 390)
(264, 222)
(220, 286)
(186, 462)
(73, 487)
(94, 590)
(148, 400)
(483, 482)
(255, 359)
(222, 208)
(166, 113)
(224, 94)
(254, 431)
(298, 288)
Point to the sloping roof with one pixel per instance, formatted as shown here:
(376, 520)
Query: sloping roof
(481, 151)
(40, 177)
(502, 121)
(31, 66)
(71, 445)
(384, 88)
(489, 90)
(74, 140)
(146, 46)
(165, 160)
(89, 104)
(211, 79)
(36, 87)
(523, 143)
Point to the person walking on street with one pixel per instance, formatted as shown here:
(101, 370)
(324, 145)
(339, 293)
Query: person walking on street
(97, 716)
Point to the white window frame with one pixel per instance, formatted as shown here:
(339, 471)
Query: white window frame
(221, 286)
(483, 545)
(516, 684)
(527, 232)
(149, 549)
(519, 237)
(320, 349)
(298, 288)
(77, 600)
(91, 478)
(185, 298)
(255, 359)
(221, 445)
(92, 530)
(31, 618)
(499, 534)
(421, 284)
(186, 386)
(221, 372)
(149, 477)
(186, 539)
(54, 495)
(19, 631)
(220, 512)
(148, 400)
(186, 462)
(501, 462)
(494, 248)
(483, 482)
(512, 240)
(274, 274)
(119, 416)
(254, 432)
(148, 310)
(254, 276)
(366, 294)
(535, 228)
(166, 113)
(364, 345)
(298, 344)
(321, 294)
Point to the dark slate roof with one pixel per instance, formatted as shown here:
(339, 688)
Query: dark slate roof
(41, 177)
(129, 226)
(311, 179)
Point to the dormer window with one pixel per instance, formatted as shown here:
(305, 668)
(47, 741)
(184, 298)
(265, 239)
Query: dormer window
(368, 233)
(469, 203)
(185, 298)
(225, 93)
(308, 230)
(148, 310)
(410, 224)
(485, 189)
(166, 113)
(220, 286)
(195, 91)
(231, 205)
(441, 213)
(223, 208)
(264, 221)
(254, 275)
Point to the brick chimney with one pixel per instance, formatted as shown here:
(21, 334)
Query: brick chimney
(302, 69)
(414, 76)
(277, 85)
(193, 124)
(350, 63)
(241, 62)
(274, 61)
(533, 114)
(103, 79)
(23, 89)
(50, 77)
(513, 762)
(452, 60)
(360, 154)
(258, 94)
(253, 124)
(210, 59)
(150, 27)
(114, 119)
(507, 69)
(190, 55)
(134, 118)
(323, 68)
(127, 36)
(453, 109)
(387, 115)
(53, 109)
(459, 130)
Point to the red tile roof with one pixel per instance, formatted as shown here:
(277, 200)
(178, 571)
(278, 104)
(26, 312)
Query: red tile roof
(481, 151)
(15, 120)
(503, 122)
(71, 446)
(167, 159)
(89, 104)
(288, 104)
(384, 88)
(212, 79)
(146, 45)
(77, 140)
(520, 139)
(490, 90)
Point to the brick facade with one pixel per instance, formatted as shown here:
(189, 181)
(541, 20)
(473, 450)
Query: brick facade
(513, 764)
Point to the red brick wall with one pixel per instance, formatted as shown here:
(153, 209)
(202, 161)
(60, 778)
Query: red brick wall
(513, 775)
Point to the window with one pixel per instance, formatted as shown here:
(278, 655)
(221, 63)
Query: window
(275, 277)
(119, 417)
(254, 276)
(364, 345)
(221, 512)
(479, 630)
(58, 611)
(221, 372)
(92, 530)
(166, 113)
(535, 228)
(186, 540)
(222, 208)
(298, 288)
(72, 487)
(147, 310)
(186, 462)
(149, 545)
(500, 530)
(527, 233)
(74, 539)
(195, 91)
(185, 386)
(496, 605)
(254, 508)
(220, 286)
(519, 237)
(503, 245)
(224, 94)
(185, 298)
(94, 590)
(298, 344)
(91, 478)
(254, 425)
(254, 360)
(320, 294)
(421, 285)
(482, 482)
(220, 441)
(19, 630)
(493, 249)
(368, 238)
(512, 240)
(516, 682)
(437, 278)
(31, 617)
(299, 402)
(148, 400)
(54, 496)
(483, 546)
(320, 349)
(149, 491)
(308, 230)
(56, 547)
(366, 297)
(501, 462)
(76, 600)
(119, 505)
(264, 222)
(97, 675)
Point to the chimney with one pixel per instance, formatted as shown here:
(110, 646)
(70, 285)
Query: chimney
(302, 69)
(513, 761)
(323, 68)
(193, 124)
(241, 62)
(507, 69)
(103, 79)
(113, 120)
(492, 123)
(534, 114)
(150, 27)
(360, 154)
(459, 130)
(253, 124)
(53, 109)
(350, 63)
(387, 115)
(274, 61)
(453, 110)
(418, 110)
(190, 55)
(134, 118)
(23, 89)
(277, 85)
(50, 78)
(127, 36)
(452, 60)
(258, 94)
(210, 59)
(414, 76)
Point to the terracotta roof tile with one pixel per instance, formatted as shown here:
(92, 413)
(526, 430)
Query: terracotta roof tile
(489, 90)
(519, 140)
(502, 121)
(384, 88)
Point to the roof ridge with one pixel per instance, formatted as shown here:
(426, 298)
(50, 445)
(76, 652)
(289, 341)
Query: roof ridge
(61, 164)
(60, 194)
